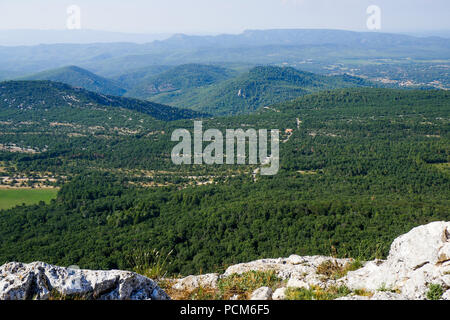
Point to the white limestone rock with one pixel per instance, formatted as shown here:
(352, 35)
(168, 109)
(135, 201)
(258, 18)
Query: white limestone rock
(380, 295)
(353, 298)
(385, 295)
(286, 268)
(295, 259)
(263, 293)
(416, 260)
(446, 295)
(194, 282)
(297, 283)
(444, 253)
(279, 294)
(40, 281)
(421, 245)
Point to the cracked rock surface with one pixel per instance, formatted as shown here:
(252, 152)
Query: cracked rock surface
(42, 281)
(416, 260)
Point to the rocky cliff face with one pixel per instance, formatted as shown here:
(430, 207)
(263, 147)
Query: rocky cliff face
(418, 262)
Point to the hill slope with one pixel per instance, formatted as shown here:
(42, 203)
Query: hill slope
(261, 86)
(78, 77)
(54, 128)
(133, 78)
(44, 95)
(179, 79)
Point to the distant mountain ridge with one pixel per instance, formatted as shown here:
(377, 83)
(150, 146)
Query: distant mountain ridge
(78, 77)
(83, 36)
(255, 46)
(294, 37)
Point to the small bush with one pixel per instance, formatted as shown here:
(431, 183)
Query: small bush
(317, 293)
(204, 294)
(435, 292)
(334, 270)
(383, 288)
(363, 293)
(244, 284)
(241, 285)
(57, 296)
(299, 294)
(152, 264)
(354, 265)
(329, 268)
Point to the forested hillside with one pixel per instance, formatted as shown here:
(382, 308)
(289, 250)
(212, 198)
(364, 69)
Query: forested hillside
(133, 78)
(259, 87)
(78, 77)
(179, 79)
(16, 96)
(361, 167)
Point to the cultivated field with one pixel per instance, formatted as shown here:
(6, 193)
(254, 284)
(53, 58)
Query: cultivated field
(10, 198)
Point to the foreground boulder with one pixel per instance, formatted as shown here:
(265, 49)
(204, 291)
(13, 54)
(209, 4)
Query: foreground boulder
(42, 281)
(416, 261)
(263, 293)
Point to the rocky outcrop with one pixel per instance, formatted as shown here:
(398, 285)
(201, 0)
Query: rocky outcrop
(42, 281)
(293, 268)
(299, 272)
(416, 262)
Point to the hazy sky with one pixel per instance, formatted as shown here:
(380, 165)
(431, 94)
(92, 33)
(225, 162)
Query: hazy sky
(232, 16)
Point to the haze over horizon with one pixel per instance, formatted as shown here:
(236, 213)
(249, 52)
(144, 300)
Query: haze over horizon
(232, 16)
